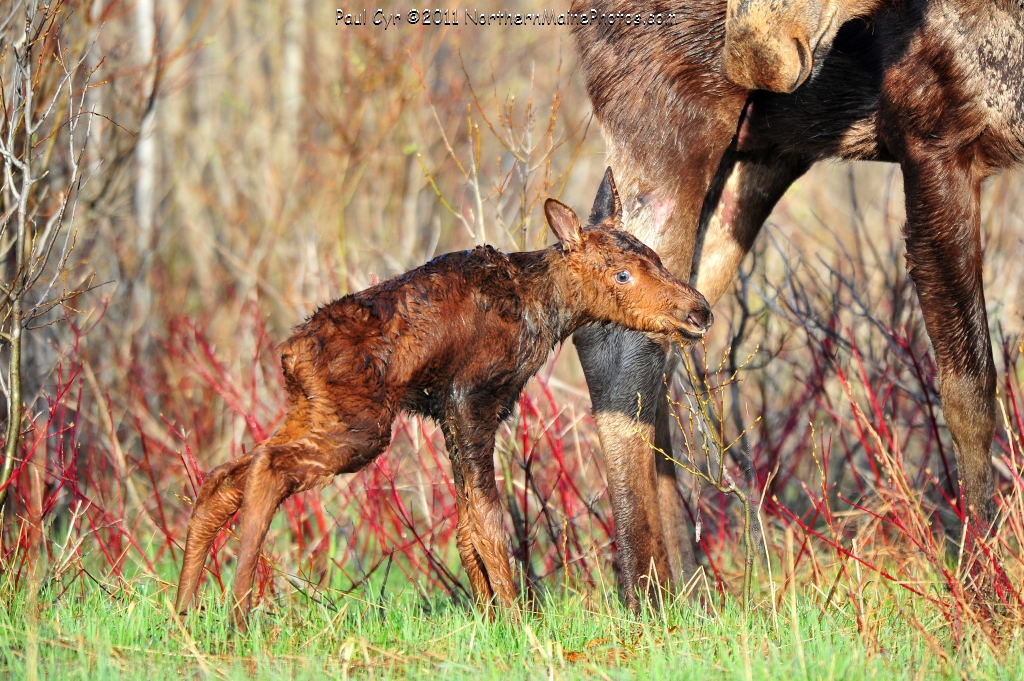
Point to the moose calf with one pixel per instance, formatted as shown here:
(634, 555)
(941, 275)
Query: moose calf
(454, 340)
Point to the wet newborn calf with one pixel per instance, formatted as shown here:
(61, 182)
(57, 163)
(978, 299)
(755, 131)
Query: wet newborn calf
(455, 340)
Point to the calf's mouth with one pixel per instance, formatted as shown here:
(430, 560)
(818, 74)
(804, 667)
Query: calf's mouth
(690, 323)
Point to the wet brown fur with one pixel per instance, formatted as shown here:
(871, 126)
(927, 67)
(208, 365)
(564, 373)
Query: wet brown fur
(934, 85)
(454, 340)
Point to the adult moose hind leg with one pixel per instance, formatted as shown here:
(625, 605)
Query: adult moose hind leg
(944, 257)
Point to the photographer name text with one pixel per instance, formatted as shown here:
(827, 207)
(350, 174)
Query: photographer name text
(473, 17)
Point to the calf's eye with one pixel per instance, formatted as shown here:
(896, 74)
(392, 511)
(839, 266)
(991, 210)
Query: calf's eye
(622, 277)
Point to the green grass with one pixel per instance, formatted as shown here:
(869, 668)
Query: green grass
(89, 634)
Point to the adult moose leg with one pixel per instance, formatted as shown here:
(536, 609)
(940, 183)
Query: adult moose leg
(625, 372)
(671, 509)
(651, 533)
(619, 365)
(667, 124)
(944, 257)
(668, 116)
(741, 197)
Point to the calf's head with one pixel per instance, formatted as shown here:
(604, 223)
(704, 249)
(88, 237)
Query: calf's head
(616, 278)
(776, 44)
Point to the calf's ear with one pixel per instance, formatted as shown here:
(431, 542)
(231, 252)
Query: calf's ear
(606, 203)
(564, 223)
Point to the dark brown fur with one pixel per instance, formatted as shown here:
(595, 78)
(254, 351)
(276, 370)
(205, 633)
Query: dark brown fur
(934, 86)
(454, 340)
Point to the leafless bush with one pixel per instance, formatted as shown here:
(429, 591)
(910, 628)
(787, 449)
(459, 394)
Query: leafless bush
(43, 83)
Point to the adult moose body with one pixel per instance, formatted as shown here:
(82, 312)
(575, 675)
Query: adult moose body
(934, 85)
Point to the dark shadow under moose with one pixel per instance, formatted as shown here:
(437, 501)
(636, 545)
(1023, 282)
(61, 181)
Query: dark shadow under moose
(455, 340)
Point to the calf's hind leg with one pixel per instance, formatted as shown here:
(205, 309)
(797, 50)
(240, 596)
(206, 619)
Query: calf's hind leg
(280, 469)
(219, 498)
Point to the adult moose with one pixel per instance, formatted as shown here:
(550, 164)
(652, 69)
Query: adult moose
(934, 85)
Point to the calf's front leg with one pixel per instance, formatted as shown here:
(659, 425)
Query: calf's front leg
(481, 536)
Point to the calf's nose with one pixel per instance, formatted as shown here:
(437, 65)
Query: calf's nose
(701, 318)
